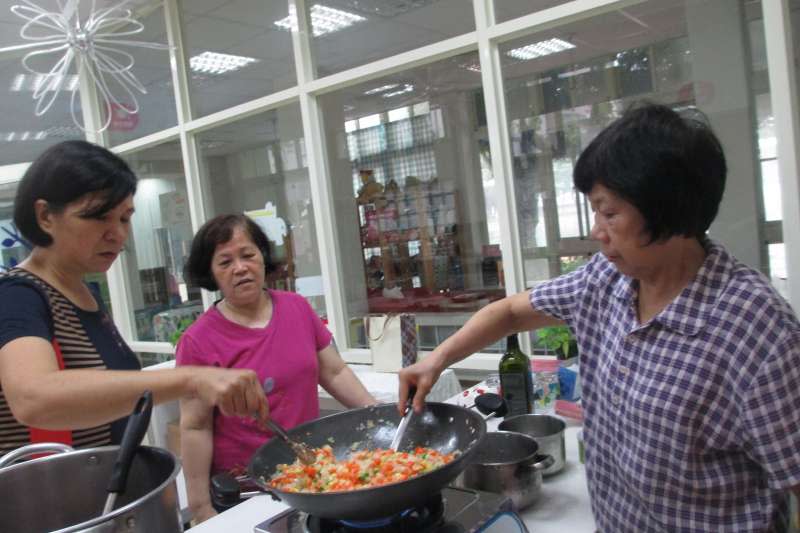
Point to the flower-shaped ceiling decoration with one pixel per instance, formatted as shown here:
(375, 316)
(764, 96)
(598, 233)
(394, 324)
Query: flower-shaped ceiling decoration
(61, 39)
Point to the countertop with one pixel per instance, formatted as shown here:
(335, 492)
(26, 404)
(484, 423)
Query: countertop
(562, 506)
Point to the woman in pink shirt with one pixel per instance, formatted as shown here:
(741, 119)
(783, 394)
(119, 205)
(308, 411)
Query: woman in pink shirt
(275, 333)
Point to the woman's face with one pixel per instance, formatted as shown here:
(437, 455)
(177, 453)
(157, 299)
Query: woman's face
(238, 268)
(620, 229)
(90, 244)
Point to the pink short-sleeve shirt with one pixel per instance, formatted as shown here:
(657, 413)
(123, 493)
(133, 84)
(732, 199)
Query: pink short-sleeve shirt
(283, 354)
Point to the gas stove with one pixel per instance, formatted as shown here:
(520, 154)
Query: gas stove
(454, 510)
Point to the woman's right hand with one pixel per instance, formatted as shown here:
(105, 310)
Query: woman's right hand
(422, 375)
(236, 392)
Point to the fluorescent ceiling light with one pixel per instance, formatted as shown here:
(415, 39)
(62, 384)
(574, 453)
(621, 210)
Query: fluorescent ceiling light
(13, 136)
(369, 121)
(576, 72)
(540, 49)
(214, 63)
(422, 108)
(401, 113)
(406, 88)
(324, 20)
(538, 81)
(64, 132)
(32, 82)
(472, 67)
(382, 88)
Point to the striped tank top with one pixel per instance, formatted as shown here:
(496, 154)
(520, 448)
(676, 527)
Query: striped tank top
(76, 348)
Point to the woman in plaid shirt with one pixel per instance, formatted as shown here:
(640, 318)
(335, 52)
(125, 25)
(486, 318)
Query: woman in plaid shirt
(690, 360)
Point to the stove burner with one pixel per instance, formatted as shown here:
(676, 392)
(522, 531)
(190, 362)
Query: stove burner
(377, 523)
(417, 519)
(454, 511)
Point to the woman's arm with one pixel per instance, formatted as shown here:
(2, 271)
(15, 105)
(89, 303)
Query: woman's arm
(493, 322)
(41, 395)
(197, 449)
(340, 381)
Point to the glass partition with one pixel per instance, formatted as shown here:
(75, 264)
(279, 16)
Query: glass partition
(23, 135)
(152, 68)
(415, 201)
(258, 166)
(13, 246)
(565, 84)
(164, 303)
(509, 9)
(349, 33)
(236, 51)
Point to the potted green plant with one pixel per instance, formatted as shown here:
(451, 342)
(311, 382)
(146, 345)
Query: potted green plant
(558, 340)
(182, 325)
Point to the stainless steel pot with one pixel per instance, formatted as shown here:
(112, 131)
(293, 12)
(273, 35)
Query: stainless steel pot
(506, 463)
(65, 493)
(547, 430)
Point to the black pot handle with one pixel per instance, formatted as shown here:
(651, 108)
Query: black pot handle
(226, 490)
(491, 404)
(137, 425)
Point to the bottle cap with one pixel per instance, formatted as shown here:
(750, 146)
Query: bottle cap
(550, 364)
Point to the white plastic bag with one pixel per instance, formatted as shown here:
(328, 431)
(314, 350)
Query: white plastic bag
(392, 341)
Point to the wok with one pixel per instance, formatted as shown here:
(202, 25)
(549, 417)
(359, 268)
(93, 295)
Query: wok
(444, 427)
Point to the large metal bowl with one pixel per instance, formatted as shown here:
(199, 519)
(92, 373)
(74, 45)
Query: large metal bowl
(65, 493)
(506, 463)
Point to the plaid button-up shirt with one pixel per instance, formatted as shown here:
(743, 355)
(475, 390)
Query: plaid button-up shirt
(693, 418)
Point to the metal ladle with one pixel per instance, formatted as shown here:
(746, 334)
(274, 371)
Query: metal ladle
(306, 455)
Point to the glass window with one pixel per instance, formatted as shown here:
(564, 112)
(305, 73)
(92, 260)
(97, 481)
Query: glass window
(153, 358)
(152, 69)
(23, 135)
(509, 9)
(13, 247)
(414, 192)
(348, 33)
(259, 166)
(163, 301)
(565, 84)
(235, 51)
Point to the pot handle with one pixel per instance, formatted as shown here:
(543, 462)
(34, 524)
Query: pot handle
(226, 490)
(540, 462)
(34, 449)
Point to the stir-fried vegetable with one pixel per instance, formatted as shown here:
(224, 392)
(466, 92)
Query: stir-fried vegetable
(363, 469)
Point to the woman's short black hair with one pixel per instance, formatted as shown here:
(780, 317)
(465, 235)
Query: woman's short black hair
(64, 173)
(216, 231)
(670, 166)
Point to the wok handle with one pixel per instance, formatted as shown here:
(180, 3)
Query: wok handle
(227, 492)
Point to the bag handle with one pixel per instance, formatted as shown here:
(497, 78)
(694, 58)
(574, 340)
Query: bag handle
(389, 317)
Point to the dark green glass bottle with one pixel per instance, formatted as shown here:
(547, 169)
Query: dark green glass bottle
(516, 381)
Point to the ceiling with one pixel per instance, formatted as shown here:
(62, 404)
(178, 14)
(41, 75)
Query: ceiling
(247, 28)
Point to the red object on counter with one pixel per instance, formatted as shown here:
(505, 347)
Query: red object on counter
(569, 409)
